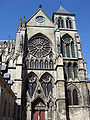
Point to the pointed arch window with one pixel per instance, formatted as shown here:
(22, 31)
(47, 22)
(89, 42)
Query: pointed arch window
(41, 64)
(34, 84)
(63, 49)
(69, 23)
(60, 23)
(75, 70)
(49, 87)
(75, 97)
(69, 71)
(32, 64)
(36, 64)
(72, 49)
(46, 83)
(69, 101)
(72, 97)
(32, 79)
(46, 64)
(68, 50)
(44, 87)
(51, 64)
(67, 46)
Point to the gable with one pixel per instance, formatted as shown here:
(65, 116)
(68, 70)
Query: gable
(40, 19)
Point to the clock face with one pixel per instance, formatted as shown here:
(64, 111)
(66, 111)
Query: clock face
(40, 19)
(39, 47)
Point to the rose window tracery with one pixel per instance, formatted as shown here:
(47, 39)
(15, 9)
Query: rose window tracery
(39, 46)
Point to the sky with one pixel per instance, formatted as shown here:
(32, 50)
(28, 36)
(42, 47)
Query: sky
(12, 10)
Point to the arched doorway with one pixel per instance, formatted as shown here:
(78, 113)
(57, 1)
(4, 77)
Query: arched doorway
(38, 109)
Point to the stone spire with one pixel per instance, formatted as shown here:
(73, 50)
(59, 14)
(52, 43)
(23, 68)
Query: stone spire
(20, 24)
(23, 22)
(8, 44)
(8, 41)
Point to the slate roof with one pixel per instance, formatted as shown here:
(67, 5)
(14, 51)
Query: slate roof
(62, 11)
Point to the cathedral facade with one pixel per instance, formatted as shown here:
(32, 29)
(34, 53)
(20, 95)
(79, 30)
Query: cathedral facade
(47, 67)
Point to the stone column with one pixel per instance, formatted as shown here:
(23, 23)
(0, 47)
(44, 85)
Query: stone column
(60, 83)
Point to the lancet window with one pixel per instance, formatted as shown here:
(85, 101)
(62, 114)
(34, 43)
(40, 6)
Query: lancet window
(69, 23)
(60, 22)
(40, 64)
(32, 79)
(75, 70)
(36, 64)
(51, 64)
(46, 83)
(32, 64)
(72, 97)
(70, 70)
(67, 46)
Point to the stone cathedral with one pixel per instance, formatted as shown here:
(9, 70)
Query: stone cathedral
(47, 67)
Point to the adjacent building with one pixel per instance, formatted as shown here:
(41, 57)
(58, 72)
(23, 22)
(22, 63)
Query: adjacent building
(7, 101)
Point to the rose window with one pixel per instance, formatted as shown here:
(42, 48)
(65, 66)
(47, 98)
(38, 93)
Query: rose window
(39, 47)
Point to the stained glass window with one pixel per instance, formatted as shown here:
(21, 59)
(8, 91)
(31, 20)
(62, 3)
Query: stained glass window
(32, 79)
(44, 87)
(68, 50)
(67, 39)
(69, 101)
(63, 49)
(49, 87)
(69, 71)
(75, 70)
(33, 87)
(39, 46)
(75, 97)
(46, 83)
(72, 49)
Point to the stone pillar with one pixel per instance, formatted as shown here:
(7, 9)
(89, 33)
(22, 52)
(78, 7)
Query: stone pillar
(60, 83)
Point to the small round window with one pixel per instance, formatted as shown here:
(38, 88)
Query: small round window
(40, 19)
